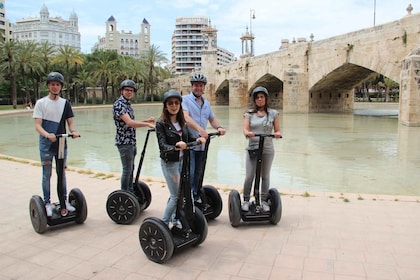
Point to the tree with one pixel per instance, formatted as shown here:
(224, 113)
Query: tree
(9, 50)
(70, 58)
(103, 64)
(152, 58)
(28, 63)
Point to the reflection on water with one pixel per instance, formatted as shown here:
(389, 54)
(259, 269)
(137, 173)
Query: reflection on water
(318, 152)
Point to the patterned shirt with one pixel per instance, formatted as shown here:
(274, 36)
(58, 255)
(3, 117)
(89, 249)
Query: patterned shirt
(125, 135)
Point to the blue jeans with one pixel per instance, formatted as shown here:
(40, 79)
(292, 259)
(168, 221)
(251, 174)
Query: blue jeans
(172, 173)
(127, 155)
(46, 162)
(196, 160)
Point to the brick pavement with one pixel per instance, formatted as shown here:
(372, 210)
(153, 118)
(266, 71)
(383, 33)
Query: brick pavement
(318, 237)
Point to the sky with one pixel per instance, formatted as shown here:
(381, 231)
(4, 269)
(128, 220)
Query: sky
(274, 19)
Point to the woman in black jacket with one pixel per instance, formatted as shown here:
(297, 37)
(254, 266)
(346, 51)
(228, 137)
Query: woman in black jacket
(171, 130)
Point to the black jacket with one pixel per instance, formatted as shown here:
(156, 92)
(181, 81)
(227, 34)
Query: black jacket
(167, 137)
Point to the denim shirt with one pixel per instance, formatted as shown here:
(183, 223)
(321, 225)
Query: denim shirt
(200, 114)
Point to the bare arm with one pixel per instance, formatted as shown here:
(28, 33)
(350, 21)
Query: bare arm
(42, 131)
(246, 130)
(216, 125)
(72, 128)
(277, 133)
(133, 123)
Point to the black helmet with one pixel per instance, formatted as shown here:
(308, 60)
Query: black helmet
(258, 90)
(171, 93)
(55, 76)
(198, 78)
(128, 83)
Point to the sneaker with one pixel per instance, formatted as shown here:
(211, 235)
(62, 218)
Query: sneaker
(70, 207)
(265, 206)
(245, 206)
(177, 223)
(48, 209)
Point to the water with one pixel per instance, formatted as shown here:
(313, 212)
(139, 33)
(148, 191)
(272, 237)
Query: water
(358, 153)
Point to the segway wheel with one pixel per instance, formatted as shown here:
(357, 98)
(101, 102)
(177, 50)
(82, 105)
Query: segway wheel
(274, 201)
(38, 214)
(142, 191)
(122, 207)
(214, 200)
(77, 199)
(156, 240)
(234, 208)
(199, 226)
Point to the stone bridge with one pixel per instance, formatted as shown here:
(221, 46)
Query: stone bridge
(320, 76)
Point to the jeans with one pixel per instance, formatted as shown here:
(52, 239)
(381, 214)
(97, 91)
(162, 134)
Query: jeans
(171, 171)
(196, 160)
(250, 168)
(127, 155)
(46, 162)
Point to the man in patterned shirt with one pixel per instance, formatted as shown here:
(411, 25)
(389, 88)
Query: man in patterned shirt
(125, 138)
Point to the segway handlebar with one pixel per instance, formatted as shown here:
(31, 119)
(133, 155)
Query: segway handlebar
(64, 135)
(266, 135)
(190, 144)
(217, 133)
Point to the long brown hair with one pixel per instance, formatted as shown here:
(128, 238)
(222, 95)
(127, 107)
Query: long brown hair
(166, 117)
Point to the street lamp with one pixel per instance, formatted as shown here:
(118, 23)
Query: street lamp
(251, 17)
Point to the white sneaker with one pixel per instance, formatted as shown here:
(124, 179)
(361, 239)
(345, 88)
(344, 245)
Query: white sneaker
(245, 206)
(70, 207)
(177, 223)
(48, 209)
(265, 206)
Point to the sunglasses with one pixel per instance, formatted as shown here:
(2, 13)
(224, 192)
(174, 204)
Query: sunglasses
(170, 103)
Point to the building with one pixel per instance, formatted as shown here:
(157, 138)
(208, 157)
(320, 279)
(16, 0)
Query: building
(188, 43)
(55, 30)
(5, 32)
(124, 43)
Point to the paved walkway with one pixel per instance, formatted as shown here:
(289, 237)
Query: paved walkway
(320, 236)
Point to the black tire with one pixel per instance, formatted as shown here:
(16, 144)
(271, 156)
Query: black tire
(199, 226)
(77, 199)
(274, 201)
(122, 207)
(234, 208)
(214, 200)
(142, 191)
(156, 240)
(38, 214)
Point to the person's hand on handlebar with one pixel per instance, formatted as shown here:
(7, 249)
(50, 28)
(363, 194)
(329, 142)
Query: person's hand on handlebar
(75, 134)
(277, 134)
(181, 145)
(202, 140)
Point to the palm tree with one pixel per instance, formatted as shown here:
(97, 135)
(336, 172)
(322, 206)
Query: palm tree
(28, 63)
(84, 78)
(45, 52)
(70, 58)
(9, 51)
(153, 57)
(103, 65)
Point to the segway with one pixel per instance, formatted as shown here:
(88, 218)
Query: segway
(255, 212)
(122, 206)
(211, 201)
(158, 241)
(60, 215)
